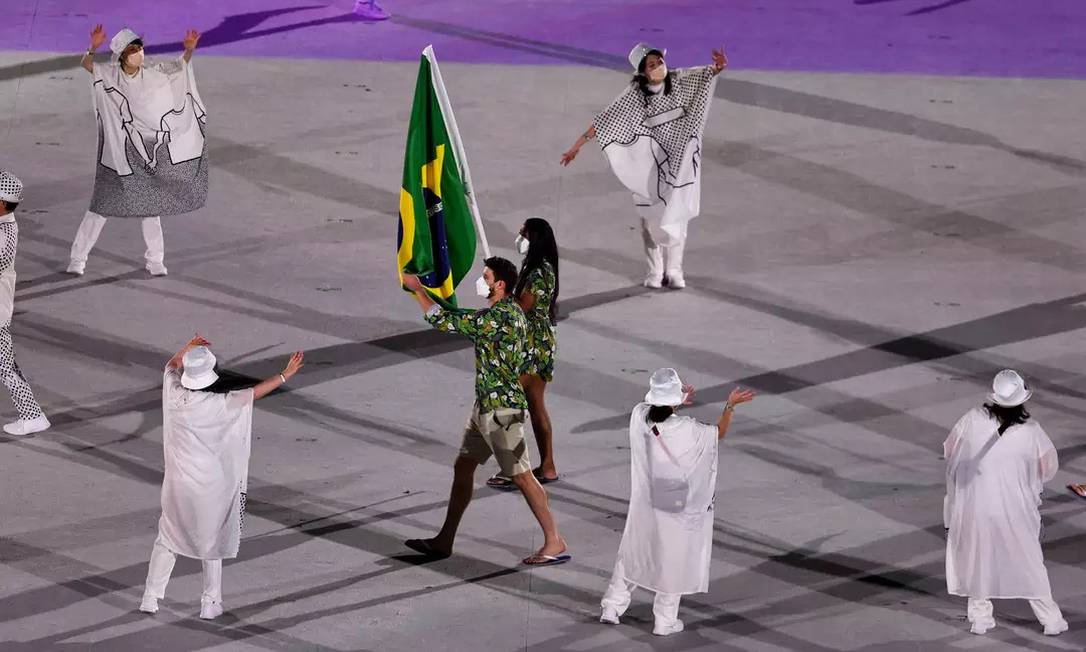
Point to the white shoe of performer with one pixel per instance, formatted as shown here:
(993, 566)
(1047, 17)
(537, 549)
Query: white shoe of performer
(76, 267)
(156, 269)
(149, 604)
(24, 427)
(609, 616)
(665, 630)
(210, 610)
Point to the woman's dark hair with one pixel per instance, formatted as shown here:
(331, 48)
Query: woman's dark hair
(503, 270)
(1007, 416)
(658, 413)
(542, 248)
(229, 381)
(642, 80)
(11, 205)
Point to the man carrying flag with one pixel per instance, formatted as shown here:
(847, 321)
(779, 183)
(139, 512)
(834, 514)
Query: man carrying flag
(436, 249)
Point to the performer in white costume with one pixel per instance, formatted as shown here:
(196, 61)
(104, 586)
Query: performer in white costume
(668, 541)
(651, 136)
(152, 154)
(31, 417)
(206, 435)
(998, 460)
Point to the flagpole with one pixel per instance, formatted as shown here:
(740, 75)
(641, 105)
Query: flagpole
(457, 144)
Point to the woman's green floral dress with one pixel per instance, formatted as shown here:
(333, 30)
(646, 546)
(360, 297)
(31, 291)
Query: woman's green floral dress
(541, 333)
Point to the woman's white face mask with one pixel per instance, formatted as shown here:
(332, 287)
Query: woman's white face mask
(521, 243)
(135, 60)
(481, 288)
(657, 74)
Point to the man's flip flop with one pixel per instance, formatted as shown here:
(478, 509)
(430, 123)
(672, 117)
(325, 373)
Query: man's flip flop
(423, 547)
(500, 482)
(1078, 490)
(546, 560)
(543, 480)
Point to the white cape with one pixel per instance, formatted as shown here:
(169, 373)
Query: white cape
(994, 489)
(655, 149)
(151, 146)
(668, 541)
(205, 443)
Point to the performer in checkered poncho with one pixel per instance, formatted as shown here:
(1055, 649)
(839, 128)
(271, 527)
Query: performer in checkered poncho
(651, 135)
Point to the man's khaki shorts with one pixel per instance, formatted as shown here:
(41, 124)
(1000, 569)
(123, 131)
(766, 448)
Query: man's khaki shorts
(501, 433)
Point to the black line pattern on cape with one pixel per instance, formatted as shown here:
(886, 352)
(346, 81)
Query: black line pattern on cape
(623, 124)
(180, 187)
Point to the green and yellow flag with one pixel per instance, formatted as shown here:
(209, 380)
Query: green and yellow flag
(436, 239)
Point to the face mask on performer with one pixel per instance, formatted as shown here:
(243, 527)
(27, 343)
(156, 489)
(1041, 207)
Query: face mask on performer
(521, 244)
(134, 60)
(482, 288)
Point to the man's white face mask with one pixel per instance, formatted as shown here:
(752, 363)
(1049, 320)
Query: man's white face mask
(481, 288)
(521, 243)
(135, 59)
(657, 74)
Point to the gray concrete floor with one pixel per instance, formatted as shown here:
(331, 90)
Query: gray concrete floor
(872, 250)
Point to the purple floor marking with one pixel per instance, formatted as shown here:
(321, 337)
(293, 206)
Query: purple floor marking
(1012, 38)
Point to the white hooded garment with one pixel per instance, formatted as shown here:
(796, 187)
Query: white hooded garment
(994, 489)
(667, 544)
(205, 443)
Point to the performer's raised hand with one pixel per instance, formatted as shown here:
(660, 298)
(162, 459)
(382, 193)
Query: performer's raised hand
(412, 282)
(192, 37)
(720, 60)
(198, 340)
(294, 364)
(98, 37)
(740, 396)
(688, 394)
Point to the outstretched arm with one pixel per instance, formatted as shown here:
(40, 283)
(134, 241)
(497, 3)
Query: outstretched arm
(588, 135)
(415, 285)
(735, 398)
(268, 385)
(98, 37)
(192, 37)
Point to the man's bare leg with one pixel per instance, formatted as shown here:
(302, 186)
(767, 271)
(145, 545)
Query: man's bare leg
(463, 486)
(553, 543)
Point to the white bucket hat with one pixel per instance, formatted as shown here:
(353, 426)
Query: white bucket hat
(1009, 389)
(121, 40)
(199, 364)
(640, 51)
(11, 189)
(665, 388)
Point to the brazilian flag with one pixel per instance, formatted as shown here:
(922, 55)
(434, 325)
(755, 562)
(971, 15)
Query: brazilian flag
(436, 239)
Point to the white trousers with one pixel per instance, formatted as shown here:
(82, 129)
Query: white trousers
(91, 227)
(663, 252)
(979, 610)
(665, 606)
(161, 567)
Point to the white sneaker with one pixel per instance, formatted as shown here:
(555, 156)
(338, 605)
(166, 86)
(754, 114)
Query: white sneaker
(1055, 629)
(156, 269)
(210, 610)
(666, 630)
(24, 427)
(149, 605)
(982, 626)
(609, 616)
(654, 282)
(76, 267)
(676, 281)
